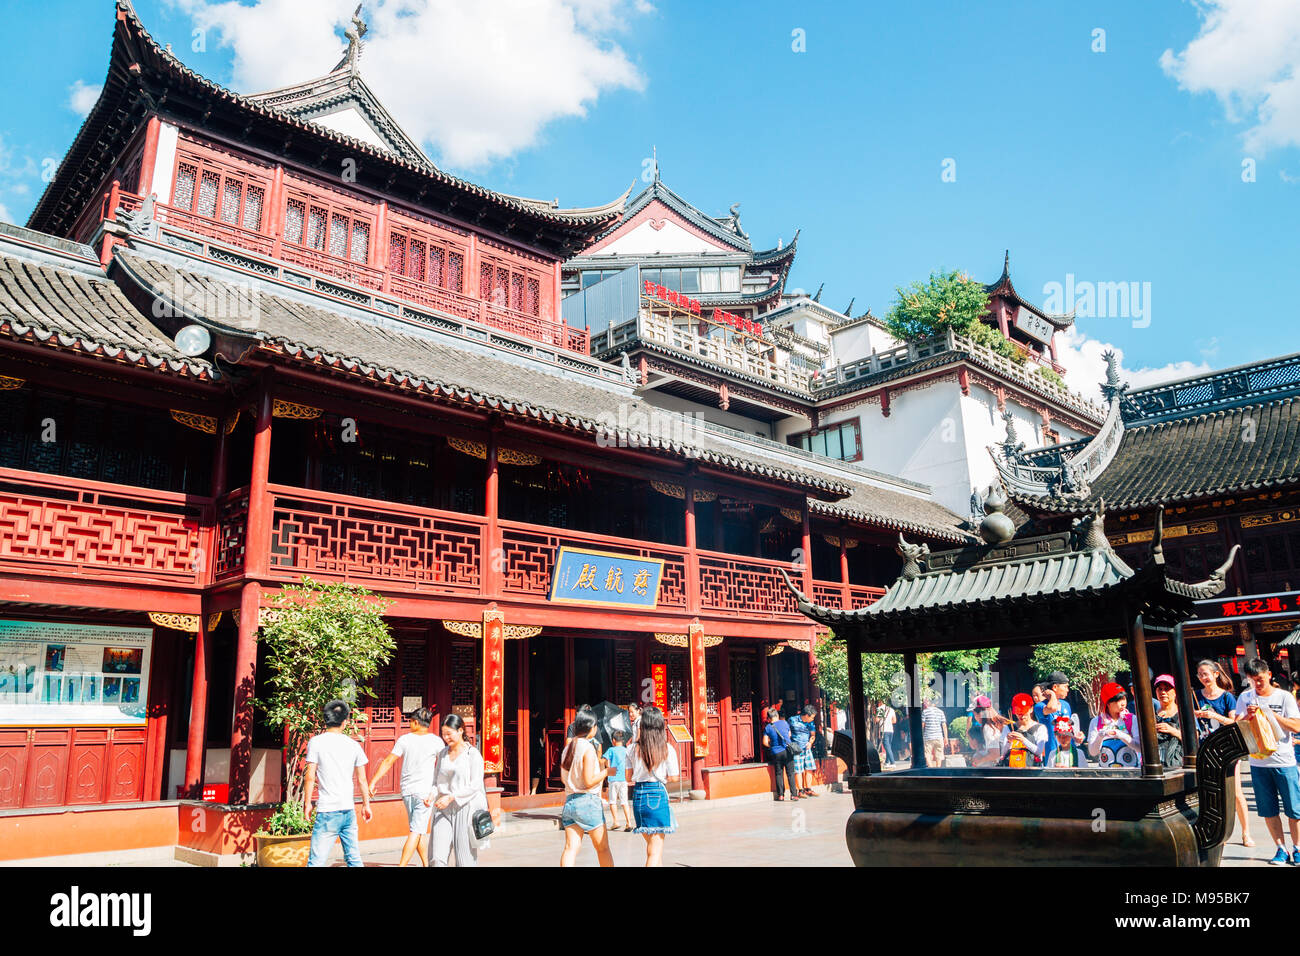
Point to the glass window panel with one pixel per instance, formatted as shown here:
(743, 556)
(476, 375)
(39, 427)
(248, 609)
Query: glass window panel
(730, 280)
(834, 447)
(690, 280)
(650, 275)
(670, 278)
(709, 280)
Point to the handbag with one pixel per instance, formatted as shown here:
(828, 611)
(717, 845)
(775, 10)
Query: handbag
(481, 825)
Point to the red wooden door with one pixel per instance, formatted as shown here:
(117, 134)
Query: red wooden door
(740, 721)
(125, 770)
(13, 767)
(87, 764)
(47, 769)
(713, 721)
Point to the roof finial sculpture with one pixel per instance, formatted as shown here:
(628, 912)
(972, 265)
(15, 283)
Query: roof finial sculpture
(817, 296)
(848, 311)
(355, 34)
(1112, 388)
(1090, 530)
(913, 556)
(1158, 537)
(735, 221)
(996, 528)
(1215, 583)
(654, 160)
(1011, 445)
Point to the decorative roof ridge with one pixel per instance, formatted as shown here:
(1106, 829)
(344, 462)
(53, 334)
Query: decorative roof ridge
(19, 242)
(659, 190)
(123, 78)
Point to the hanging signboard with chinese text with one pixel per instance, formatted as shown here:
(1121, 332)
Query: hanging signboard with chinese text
(494, 651)
(1034, 326)
(605, 579)
(699, 692)
(659, 673)
(1258, 606)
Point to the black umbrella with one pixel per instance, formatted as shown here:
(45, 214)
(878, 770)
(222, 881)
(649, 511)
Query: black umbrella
(611, 718)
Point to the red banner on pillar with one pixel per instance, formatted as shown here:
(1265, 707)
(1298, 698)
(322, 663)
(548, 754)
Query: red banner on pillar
(494, 647)
(699, 692)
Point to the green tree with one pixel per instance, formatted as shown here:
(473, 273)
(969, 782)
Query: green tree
(323, 641)
(1088, 665)
(949, 300)
(977, 664)
(1051, 375)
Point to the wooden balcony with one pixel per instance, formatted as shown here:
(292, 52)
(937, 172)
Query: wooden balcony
(52, 525)
(66, 527)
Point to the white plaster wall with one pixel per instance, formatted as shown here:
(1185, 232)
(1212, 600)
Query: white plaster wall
(984, 427)
(858, 342)
(671, 239)
(164, 167)
(351, 123)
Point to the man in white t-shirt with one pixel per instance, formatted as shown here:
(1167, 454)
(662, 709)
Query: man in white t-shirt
(886, 718)
(333, 759)
(1274, 778)
(418, 751)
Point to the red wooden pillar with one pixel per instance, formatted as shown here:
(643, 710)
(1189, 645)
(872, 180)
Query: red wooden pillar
(692, 551)
(277, 212)
(241, 734)
(149, 156)
(492, 550)
(156, 716)
(727, 748)
(256, 561)
(196, 741)
(846, 594)
(379, 255)
(107, 243)
(523, 748)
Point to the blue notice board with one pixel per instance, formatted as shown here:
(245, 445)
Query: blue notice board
(605, 579)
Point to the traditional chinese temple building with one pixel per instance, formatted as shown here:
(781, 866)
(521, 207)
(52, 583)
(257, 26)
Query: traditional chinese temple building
(245, 339)
(1220, 455)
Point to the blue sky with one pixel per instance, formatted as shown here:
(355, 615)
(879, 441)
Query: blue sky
(1096, 164)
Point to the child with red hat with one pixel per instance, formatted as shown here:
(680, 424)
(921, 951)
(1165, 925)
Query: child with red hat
(1025, 742)
(1113, 734)
(1062, 750)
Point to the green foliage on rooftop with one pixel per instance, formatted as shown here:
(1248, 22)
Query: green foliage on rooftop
(949, 300)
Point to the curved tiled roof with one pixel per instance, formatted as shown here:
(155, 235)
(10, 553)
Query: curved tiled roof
(67, 309)
(325, 339)
(895, 511)
(1231, 451)
(136, 53)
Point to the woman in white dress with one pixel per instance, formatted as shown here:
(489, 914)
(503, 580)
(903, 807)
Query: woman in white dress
(458, 794)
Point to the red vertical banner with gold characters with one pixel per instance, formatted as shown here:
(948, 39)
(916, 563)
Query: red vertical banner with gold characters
(494, 655)
(660, 674)
(699, 691)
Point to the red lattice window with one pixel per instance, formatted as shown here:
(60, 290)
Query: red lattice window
(425, 257)
(219, 190)
(508, 285)
(327, 225)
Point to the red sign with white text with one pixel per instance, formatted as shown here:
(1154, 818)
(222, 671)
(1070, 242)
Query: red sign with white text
(494, 652)
(665, 294)
(659, 673)
(699, 692)
(737, 322)
(1253, 605)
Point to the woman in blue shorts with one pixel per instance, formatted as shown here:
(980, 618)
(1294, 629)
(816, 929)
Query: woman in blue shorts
(653, 760)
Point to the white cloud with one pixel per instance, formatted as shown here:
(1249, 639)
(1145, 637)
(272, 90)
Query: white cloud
(1085, 368)
(478, 81)
(5, 214)
(1248, 55)
(82, 97)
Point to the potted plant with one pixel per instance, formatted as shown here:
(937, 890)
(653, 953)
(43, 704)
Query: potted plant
(323, 641)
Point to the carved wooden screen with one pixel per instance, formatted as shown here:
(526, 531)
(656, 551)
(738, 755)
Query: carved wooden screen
(422, 253)
(714, 708)
(328, 222)
(510, 284)
(218, 186)
(464, 684)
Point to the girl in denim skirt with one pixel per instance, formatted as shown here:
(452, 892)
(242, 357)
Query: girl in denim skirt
(652, 761)
(583, 782)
